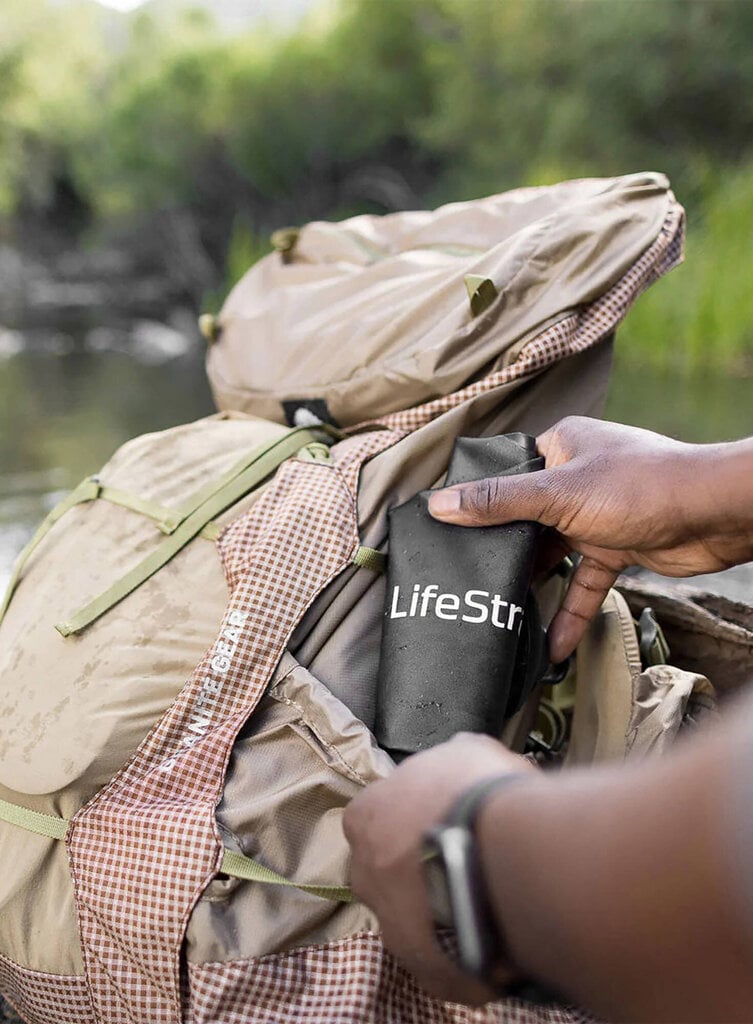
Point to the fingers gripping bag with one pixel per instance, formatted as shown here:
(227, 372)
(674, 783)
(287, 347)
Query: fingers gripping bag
(190, 646)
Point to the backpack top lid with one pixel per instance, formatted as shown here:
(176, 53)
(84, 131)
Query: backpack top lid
(354, 320)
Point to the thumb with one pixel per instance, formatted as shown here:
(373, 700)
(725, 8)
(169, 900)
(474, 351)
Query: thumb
(539, 496)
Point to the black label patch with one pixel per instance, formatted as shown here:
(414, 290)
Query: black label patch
(307, 412)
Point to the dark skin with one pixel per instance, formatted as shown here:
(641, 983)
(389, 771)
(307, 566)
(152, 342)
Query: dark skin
(612, 884)
(619, 496)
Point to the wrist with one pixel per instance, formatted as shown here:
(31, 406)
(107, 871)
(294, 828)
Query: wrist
(457, 890)
(517, 834)
(720, 489)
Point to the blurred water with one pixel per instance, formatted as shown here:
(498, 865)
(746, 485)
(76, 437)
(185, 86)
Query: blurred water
(705, 407)
(72, 393)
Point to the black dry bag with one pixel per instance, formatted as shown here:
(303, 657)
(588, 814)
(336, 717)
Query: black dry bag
(462, 646)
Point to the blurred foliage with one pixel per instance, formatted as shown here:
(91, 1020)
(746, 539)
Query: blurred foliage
(702, 314)
(384, 104)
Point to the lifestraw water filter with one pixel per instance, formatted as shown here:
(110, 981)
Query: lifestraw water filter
(462, 645)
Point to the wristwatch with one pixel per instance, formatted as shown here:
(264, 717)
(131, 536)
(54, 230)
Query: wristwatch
(459, 898)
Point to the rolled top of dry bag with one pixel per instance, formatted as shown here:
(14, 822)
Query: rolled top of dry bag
(462, 645)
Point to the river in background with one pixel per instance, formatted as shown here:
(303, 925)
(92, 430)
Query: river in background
(71, 395)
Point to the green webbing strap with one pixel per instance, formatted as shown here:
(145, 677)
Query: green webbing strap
(90, 489)
(166, 519)
(234, 864)
(369, 558)
(214, 486)
(42, 824)
(264, 463)
(238, 866)
(87, 490)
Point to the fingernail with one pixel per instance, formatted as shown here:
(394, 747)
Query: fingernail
(444, 503)
(561, 641)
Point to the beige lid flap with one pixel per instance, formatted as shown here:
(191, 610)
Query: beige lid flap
(376, 314)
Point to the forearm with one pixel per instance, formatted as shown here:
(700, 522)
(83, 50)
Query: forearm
(614, 886)
(723, 494)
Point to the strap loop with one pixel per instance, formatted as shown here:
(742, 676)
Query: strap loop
(234, 864)
(371, 559)
(238, 866)
(481, 291)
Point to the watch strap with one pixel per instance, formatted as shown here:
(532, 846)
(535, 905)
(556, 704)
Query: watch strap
(466, 809)
(464, 814)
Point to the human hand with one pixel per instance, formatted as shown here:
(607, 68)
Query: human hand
(618, 496)
(385, 825)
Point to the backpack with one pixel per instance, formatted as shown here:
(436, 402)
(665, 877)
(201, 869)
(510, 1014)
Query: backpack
(189, 645)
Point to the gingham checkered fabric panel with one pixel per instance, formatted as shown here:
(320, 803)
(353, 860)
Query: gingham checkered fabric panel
(145, 848)
(45, 998)
(353, 981)
(573, 333)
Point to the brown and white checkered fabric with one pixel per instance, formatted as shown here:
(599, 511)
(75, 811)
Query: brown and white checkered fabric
(45, 998)
(144, 849)
(352, 981)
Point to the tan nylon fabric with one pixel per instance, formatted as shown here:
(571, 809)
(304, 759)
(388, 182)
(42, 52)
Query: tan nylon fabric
(620, 709)
(75, 710)
(372, 314)
(303, 735)
(662, 696)
(69, 739)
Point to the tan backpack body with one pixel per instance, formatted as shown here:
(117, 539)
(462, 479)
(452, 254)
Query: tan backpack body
(188, 661)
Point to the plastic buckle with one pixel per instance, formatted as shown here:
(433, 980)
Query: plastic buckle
(651, 640)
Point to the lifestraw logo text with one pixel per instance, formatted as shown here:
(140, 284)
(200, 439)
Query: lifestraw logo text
(475, 606)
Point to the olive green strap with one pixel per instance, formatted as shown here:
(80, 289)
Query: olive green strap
(168, 520)
(165, 518)
(202, 496)
(371, 559)
(87, 490)
(238, 866)
(234, 864)
(263, 464)
(42, 824)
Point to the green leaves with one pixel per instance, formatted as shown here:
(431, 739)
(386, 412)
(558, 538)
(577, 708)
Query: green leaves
(373, 105)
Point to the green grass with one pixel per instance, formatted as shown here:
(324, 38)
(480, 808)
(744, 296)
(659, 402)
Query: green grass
(701, 316)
